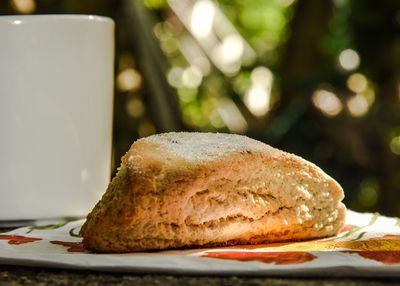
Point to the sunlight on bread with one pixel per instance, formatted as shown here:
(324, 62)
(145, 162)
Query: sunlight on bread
(184, 190)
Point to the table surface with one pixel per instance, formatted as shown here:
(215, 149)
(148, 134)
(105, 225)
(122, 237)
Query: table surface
(13, 275)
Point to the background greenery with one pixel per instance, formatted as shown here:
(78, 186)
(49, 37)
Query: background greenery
(317, 78)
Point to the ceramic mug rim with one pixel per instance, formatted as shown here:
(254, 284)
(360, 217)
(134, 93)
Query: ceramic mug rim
(20, 19)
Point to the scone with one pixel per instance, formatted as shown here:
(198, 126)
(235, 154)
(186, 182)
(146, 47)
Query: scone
(178, 190)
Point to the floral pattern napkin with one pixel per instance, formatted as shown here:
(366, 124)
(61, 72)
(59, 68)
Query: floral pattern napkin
(368, 245)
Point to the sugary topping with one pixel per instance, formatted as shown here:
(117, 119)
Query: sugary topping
(195, 146)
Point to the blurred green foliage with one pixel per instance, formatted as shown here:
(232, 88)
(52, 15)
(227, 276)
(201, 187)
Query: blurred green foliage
(317, 78)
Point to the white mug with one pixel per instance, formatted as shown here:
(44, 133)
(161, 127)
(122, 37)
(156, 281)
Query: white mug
(56, 101)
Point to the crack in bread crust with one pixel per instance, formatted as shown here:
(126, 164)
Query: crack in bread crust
(229, 219)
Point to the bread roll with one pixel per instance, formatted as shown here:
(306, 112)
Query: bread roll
(178, 190)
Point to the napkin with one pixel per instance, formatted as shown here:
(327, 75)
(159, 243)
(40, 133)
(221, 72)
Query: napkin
(368, 245)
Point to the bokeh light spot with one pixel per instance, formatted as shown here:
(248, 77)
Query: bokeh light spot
(174, 77)
(261, 76)
(24, 6)
(202, 18)
(228, 54)
(357, 82)
(187, 94)
(258, 97)
(135, 107)
(358, 105)
(231, 116)
(192, 77)
(349, 59)
(129, 80)
(328, 102)
(169, 46)
(216, 120)
(368, 193)
(395, 145)
(232, 48)
(146, 128)
(203, 64)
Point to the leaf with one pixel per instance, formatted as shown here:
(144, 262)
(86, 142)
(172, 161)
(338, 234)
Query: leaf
(51, 226)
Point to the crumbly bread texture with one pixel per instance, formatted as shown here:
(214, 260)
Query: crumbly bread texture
(178, 190)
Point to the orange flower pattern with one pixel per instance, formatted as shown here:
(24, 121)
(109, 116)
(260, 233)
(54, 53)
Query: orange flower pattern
(350, 239)
(278, 258)
(71, 246)
(388, 257)
(18, 239)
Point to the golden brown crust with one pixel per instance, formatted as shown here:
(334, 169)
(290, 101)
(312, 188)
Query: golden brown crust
(180, 190)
